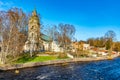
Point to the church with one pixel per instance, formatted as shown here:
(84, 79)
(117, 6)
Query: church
(37, 41)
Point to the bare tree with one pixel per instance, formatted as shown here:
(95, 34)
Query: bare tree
(12, 39)
(65, 35)
(51, 32)
(110, 36)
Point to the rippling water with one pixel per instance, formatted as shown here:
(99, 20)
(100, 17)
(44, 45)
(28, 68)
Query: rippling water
(100, 70)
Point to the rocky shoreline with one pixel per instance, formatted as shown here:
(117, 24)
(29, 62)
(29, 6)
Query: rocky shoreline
(52, 62)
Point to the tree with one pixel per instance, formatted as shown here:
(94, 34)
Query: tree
(91, 41)
(64, 35)
(117, 46)
(12, 23)
(97, 42)
(50, 31)
(110, 36)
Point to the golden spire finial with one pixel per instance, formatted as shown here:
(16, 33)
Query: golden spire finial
(34, 13)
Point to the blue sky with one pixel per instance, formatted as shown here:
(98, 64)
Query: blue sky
(91, 18)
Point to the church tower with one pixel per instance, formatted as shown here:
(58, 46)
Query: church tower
(34, 28)
(33, 40)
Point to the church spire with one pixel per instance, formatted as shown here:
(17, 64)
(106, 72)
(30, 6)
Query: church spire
(34, 13)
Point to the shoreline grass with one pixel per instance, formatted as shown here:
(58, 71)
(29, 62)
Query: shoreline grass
(36, 59)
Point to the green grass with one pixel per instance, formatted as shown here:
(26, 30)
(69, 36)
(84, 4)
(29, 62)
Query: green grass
(26, 59)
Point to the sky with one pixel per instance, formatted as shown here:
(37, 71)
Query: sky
(91, 18)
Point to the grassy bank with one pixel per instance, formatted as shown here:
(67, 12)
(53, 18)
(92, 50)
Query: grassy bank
(35, 59)
(26, 58)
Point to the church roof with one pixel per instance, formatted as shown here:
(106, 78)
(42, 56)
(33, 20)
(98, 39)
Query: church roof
(45, 38)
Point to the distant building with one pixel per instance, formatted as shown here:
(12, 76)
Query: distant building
(77, 45)
(56, 47)
(86, 46)
(81, 45)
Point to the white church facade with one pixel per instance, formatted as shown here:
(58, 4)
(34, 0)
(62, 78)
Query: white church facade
(37, 41)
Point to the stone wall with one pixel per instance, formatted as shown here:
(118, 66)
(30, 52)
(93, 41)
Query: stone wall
(34, 64)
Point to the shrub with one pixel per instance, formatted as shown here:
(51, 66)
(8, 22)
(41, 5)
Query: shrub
(62, 55)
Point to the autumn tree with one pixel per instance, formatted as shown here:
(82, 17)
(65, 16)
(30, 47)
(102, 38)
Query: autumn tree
(97, 42)
(91, 41)
(117, 46)
(110, 36)
(13, 22)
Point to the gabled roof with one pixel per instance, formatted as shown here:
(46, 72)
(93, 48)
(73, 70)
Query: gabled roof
(45, 38)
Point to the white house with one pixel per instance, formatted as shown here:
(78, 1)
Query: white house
(55, 47)
(86, 46)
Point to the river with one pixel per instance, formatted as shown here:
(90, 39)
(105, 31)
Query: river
(97, 70)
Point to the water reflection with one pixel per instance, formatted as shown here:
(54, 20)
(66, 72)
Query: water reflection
(100, 70)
